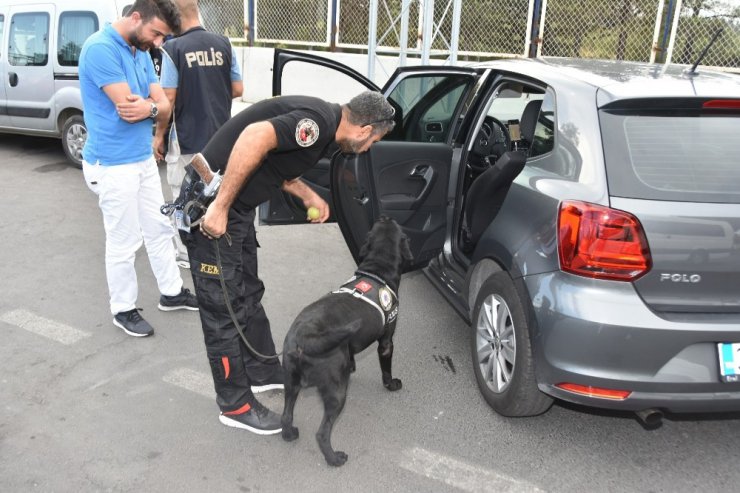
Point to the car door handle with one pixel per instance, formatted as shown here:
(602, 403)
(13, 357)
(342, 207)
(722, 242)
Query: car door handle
(424, 172)
(13, 79)
(362, 199)
(419, 171)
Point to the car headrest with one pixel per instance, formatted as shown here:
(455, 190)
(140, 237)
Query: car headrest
(529, 120)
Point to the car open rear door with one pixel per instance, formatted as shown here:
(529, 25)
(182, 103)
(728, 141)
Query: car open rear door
(301, 73)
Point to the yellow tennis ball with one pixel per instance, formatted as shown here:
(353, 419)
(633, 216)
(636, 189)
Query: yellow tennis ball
(313, 213)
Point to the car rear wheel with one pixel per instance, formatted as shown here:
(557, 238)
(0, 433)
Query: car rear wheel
(74, 135)
(501, 351)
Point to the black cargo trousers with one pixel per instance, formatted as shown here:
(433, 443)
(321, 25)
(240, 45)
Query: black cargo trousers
(233, 365)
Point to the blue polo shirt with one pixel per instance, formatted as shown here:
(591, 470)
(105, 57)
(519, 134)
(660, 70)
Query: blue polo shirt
(106, 59)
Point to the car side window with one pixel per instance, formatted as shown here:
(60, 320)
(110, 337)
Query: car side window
(29, 39)
(74, 29)
(544, 131)
(426, 105)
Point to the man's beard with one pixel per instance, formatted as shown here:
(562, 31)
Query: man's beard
(138, 43)
(351, 146)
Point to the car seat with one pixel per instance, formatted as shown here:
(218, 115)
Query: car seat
(487, 193)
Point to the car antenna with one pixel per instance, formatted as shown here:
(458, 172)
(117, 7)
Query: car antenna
(692, 70)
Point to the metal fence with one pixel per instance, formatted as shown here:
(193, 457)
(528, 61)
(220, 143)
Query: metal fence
(698, 23)
(608, 29)
(640, 30)
(490, 27)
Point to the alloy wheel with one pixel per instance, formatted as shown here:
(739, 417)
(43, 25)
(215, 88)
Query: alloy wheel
(495, 343)
(76, 137)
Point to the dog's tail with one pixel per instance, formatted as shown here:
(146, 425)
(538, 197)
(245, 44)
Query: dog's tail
(322, 342)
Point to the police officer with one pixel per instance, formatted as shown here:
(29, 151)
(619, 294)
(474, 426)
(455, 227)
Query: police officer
(262, 150)
(202, 68)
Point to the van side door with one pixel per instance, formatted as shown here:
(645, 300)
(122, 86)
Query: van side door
(4, 118)
(29, 80)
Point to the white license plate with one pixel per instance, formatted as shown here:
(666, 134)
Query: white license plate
(729, 361)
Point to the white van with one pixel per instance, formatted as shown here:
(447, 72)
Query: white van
(40, 43)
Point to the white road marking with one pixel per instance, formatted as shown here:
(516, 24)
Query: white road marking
(45, 327)
(191, 380)
(459, 474)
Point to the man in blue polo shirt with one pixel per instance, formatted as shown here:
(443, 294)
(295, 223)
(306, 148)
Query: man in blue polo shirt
(120, 98)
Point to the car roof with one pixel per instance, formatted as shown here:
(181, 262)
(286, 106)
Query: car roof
(624, 80)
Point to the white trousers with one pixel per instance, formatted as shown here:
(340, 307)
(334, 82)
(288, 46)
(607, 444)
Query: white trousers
(129, 196)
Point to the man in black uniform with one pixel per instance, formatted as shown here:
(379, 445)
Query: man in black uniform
(262, 150)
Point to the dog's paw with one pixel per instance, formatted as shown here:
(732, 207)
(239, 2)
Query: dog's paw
(337, 459)
(290, 433)
(393, 385)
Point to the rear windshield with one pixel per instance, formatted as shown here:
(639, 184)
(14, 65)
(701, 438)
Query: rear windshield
(677, 155)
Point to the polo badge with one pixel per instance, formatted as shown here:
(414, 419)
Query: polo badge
(306, 132)
(386, 299)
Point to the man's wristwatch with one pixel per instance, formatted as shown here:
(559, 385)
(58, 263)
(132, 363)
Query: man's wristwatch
(154, 111)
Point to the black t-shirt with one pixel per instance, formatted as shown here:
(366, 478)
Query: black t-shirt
(305, 128)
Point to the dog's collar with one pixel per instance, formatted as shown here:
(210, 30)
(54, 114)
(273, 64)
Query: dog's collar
(373, 290)
(362, 273)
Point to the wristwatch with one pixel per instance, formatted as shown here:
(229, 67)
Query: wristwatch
(154, 111)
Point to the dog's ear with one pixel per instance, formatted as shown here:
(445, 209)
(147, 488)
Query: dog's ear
(406, 249)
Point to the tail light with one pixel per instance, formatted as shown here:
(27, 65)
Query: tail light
(603, 243)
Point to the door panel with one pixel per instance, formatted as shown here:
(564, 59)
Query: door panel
(30, 77)
(406, 181)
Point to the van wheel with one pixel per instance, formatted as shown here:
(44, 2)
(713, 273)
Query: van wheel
(501, 351)
(74, 135)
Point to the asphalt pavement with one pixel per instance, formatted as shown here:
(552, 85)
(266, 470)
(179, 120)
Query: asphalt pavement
(84, 407)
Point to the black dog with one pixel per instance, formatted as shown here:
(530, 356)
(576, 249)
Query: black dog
(320, 345)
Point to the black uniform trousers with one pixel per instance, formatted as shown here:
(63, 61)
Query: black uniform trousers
(233, 366)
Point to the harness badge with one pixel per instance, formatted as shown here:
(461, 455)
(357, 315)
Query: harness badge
(386, 299)
(363, 286)
(306, 132)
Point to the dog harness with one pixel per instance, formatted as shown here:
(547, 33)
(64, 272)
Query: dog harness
(372, 289)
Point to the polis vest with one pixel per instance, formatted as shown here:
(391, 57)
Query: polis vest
(203, 60)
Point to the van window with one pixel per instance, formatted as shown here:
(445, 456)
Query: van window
(74, 29)
(2, 28)
(29, 39)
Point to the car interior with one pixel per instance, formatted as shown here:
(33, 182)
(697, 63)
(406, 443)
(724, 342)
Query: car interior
(497, 156)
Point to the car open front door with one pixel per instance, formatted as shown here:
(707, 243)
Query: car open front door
(406, 175)
(300, 73)
(406, 181)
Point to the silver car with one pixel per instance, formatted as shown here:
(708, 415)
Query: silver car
(582, 216)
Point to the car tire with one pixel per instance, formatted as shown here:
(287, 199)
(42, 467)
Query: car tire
(74, 135)
(502, 353)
